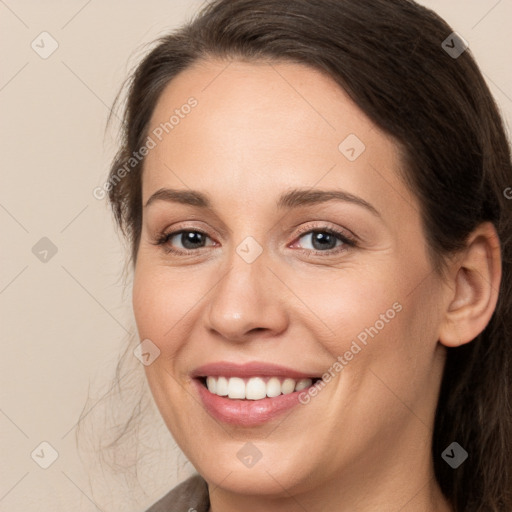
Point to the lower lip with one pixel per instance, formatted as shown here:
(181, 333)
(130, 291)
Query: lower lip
(246, 413)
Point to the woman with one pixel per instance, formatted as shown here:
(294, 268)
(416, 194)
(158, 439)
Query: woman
(315, 197)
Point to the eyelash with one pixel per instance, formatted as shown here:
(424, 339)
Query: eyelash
(164, 237)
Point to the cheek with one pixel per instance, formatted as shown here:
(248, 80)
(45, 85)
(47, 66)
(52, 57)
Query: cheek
(162, 301)
(376, 318)
(352, 305)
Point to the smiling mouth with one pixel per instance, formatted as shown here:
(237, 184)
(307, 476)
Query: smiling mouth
(254, 388)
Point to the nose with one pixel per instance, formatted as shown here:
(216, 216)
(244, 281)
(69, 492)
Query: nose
(247, 300)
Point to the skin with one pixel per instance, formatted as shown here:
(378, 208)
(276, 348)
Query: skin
(364, 442)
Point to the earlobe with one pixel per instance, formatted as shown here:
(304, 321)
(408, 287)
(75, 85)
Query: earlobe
(474, 289)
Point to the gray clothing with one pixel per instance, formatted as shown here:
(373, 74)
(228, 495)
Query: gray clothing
(189, 496)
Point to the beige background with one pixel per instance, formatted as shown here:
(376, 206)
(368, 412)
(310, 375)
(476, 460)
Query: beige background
(65, 321)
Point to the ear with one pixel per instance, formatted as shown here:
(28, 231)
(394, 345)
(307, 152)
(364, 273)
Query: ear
(474, 287)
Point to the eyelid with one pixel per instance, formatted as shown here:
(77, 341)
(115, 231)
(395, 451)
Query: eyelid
(327, 226)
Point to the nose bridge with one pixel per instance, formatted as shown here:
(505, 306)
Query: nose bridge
(243, 299)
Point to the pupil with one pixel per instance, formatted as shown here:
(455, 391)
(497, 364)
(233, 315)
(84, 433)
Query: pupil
(187, 239)
(324, 239)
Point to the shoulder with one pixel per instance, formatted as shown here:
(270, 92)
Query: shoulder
(189, 496)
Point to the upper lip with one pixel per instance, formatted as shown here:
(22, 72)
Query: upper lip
(252, 369)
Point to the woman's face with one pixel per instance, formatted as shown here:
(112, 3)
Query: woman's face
(304, 251)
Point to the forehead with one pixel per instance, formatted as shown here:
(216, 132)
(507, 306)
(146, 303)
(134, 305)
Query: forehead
(257, 127)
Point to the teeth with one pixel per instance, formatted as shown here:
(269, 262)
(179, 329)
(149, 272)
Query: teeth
(273, 387)
(255, 388)
(288, 386)
(303, 384)
(221, 387)
(236, 388)
(211, 383)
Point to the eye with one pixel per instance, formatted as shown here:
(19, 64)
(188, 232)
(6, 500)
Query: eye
(189, 240)
(325, 240)
(321, 240)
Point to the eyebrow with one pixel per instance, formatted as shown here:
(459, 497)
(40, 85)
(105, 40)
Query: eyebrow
(294, 198)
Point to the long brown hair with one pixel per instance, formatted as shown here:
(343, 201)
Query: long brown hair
(388, 56)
